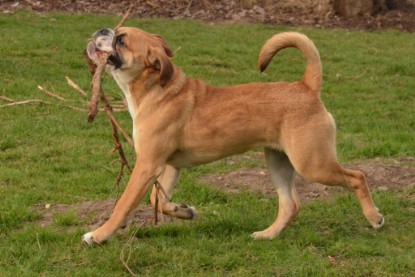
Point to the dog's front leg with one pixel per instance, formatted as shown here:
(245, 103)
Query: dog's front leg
(145, 174)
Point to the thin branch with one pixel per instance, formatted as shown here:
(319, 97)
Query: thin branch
(124, 18)
(75, 86)
(118, 181)
(128, 244)
(25, 102)
(98, 71)
(115, 127)
(123, 132)
(159, 188)
(51, 94)
(96, 86)
(76, 108)
(7, 99)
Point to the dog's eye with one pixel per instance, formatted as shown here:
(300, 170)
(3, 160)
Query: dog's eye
(120, 41)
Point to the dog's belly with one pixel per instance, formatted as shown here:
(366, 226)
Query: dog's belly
(183, 159)
(204, 149)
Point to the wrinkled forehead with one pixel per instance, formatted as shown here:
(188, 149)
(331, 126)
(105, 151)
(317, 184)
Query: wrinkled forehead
(133, 33)
(138, 36)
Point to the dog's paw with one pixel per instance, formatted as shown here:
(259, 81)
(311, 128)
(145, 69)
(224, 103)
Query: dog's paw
(263, 235)
(182, 211)
(189, 212)
(377, 225)
(88, 239)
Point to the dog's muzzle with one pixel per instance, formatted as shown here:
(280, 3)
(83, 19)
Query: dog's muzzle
(104, 41)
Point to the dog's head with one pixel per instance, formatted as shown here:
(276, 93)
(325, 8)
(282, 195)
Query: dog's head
(134, 53)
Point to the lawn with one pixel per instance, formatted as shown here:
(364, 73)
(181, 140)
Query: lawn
(50, 154)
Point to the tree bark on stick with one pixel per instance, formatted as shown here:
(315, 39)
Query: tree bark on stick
(96, 86)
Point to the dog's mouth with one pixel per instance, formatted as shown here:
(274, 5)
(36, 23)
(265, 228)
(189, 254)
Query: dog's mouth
(102, 42)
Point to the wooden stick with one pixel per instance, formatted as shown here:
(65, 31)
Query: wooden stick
(108, 109)
(98, 70)
(119, 128)
(75, 86)
(36, 101)
(96, 86)
(124, 18)
(51, 94)
(159, 188)
(128, 244)
(24, 102)
(7, 99)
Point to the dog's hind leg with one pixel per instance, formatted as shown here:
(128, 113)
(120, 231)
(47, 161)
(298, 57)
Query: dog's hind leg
(314, 157)
(332, 174)
(282, 176)
(168, 180)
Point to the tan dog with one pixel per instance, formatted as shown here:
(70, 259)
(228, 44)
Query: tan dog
(181, 122)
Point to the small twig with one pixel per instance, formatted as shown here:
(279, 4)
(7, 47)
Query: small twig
(36, 101)
(115, 107)
(124, 18)
(115, 127)
(123, 132)
(51, 94)
(119, 106)
(159, 188)
(125, 262)
(177, 50)
(118, 182)
(38, 242)
(357, 76)
(25, 102)
(76, 108)
(75, 86)
(156, 206)
(7, 99)
(128, 244)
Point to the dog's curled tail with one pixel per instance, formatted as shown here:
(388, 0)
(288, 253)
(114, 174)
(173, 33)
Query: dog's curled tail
(313, 73)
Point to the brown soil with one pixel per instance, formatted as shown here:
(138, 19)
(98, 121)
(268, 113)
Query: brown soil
(386, 175)
(96, 213)
(393, 174)
(306, 13)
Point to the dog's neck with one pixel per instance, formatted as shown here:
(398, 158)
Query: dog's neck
(123, 82)
(136, 89)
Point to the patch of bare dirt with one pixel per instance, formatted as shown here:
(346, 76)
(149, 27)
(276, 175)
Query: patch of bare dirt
(381, 174)
(304, 13)
(96, 213)
(391, 174)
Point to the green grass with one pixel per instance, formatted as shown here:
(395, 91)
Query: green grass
(50, 154)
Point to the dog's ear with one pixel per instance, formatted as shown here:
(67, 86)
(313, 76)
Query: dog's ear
(164, 45)
(159, 60)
